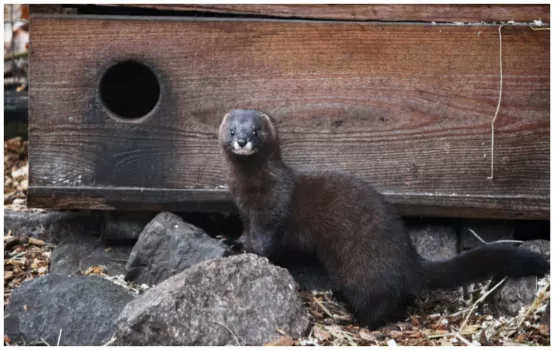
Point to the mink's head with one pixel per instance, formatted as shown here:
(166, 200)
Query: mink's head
(246, 132)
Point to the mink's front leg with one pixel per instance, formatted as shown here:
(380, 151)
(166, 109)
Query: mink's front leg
(258, 243)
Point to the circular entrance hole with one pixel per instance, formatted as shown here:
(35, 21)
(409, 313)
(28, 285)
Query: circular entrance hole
(129, 89)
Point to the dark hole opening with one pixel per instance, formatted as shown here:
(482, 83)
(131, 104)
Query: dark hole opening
(129, 89)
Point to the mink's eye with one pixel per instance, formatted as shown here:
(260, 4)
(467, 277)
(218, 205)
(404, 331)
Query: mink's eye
(232, 132)
(255, 132)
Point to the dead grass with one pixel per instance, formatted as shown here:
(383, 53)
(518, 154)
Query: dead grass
(436, 321)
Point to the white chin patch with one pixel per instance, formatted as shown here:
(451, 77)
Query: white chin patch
(244, 151)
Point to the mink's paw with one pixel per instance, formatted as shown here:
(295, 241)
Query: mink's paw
(232, 246)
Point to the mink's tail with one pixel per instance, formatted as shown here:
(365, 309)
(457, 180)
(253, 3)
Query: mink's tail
(490, 261)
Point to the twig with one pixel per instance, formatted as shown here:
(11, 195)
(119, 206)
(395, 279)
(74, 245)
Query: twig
(464, 340)
(498, 106)
(499, 241)
(434, 336)
(60, 337)
(44, 341)
(18, 255)
(230, 331)
(324, 308)
(111, 341)
(478, 301)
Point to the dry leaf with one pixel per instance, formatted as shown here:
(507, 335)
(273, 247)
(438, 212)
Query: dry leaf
(282, 341)
(7, 339)
(95, 270)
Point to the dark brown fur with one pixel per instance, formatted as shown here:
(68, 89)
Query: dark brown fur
(343, 223)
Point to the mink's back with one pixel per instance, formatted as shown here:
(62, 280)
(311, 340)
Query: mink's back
(345, 222)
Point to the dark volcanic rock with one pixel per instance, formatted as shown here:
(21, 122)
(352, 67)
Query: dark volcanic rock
(74, 257)
(52, 226)
(241, 299)
(167, 246)
(516, 293)
(83, 308)
(434, 242)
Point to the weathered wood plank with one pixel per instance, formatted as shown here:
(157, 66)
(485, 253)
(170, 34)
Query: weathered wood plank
(369, 12)
(158, 199)
(407, 107)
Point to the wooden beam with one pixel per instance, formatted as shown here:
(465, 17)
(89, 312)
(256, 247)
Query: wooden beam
(156, 199)
(407, 107)
(407, 13)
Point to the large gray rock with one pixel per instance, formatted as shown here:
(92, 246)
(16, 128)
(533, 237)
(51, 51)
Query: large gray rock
(167, 246)
(241, 299)
(434, 242)
(82, 308)
(75, 257)
(50, 225)
(516, 293)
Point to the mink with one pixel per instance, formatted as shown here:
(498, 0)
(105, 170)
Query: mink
(345, 225)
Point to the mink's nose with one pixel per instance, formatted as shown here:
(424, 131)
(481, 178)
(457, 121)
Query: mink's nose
(241, 142)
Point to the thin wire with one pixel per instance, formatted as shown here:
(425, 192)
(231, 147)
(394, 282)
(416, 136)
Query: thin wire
(498, 106)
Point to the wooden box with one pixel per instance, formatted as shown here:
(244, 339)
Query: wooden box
(124, 109)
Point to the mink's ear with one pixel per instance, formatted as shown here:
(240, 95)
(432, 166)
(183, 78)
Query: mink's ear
(223, 122)
(270, 121)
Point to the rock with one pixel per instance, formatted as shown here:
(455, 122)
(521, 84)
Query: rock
(167, 246)
(242, 299)
(83, 308)
(50, 225)
(516, 293)
(73, 258)
(434, 242)
(489, 231)
(124, 226)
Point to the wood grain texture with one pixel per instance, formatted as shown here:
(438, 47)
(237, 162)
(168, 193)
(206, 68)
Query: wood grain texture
(406, 107)
(408, 13)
